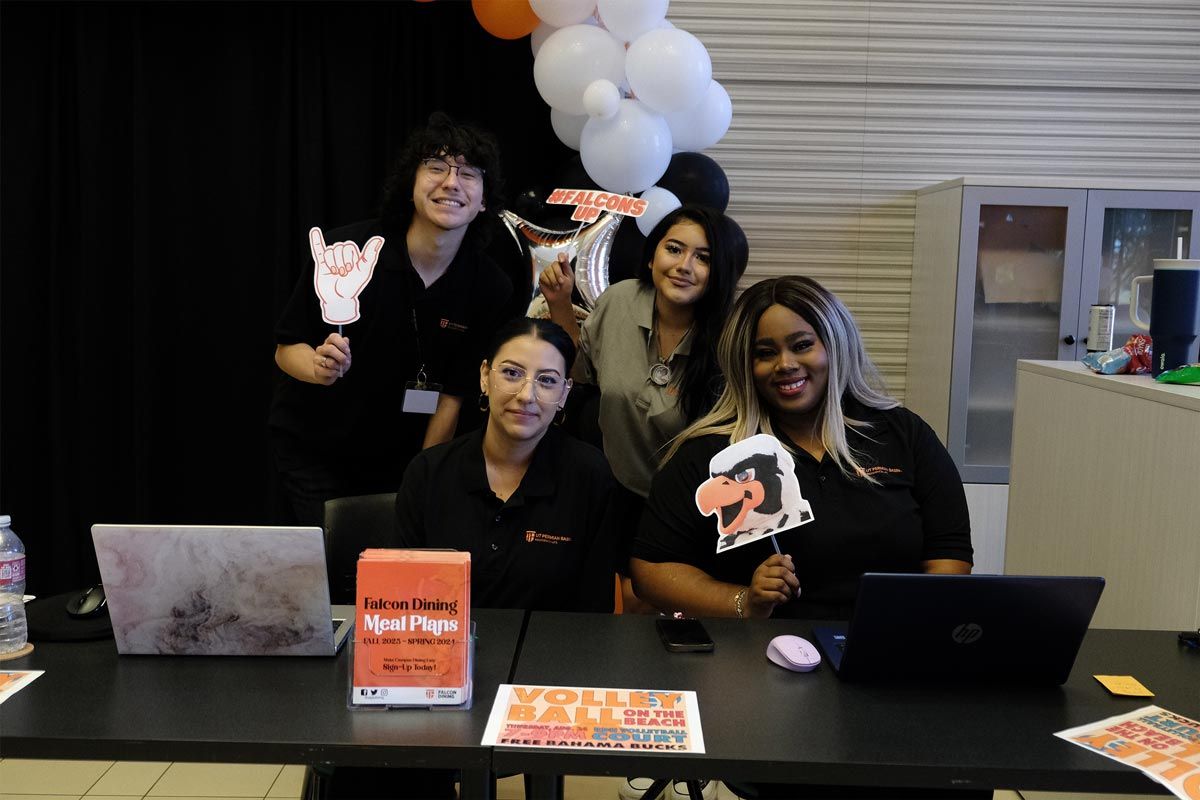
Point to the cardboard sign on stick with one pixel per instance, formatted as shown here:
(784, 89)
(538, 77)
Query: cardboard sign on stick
(590, 204)
(340, 273)
(753, 492)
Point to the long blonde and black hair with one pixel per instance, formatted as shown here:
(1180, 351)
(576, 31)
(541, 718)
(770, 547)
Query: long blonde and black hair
(740, 413)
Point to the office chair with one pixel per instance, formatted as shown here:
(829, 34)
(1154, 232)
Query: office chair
(351, 525)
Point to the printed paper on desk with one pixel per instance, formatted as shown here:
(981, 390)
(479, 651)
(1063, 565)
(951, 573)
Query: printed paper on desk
(412, 631)
(571, 717)
(1162, 744)
(12, 681)
(753, 492)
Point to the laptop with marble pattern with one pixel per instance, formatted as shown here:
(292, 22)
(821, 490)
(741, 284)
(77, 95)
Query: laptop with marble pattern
(218, 590)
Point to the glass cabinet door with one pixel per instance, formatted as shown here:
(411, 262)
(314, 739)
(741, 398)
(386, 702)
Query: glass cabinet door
(1126, 231)
(1019, 272)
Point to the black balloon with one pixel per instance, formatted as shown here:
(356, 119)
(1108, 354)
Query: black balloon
(626, 254)
(572, 175)
(697, 180)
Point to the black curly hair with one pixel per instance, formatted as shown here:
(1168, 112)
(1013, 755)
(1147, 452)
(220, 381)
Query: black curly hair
(441, 136)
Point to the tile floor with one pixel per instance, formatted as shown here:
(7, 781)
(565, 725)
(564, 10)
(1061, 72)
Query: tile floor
(24, 779)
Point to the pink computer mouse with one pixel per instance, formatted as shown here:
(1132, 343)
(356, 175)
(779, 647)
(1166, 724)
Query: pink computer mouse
(794, 653)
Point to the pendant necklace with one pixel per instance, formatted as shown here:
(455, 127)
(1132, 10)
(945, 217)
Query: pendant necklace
(660, 373)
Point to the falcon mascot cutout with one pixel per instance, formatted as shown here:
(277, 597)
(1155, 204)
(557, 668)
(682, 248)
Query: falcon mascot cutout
(753, 492)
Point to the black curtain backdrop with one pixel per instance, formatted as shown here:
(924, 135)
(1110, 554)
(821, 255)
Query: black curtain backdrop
(160, 165)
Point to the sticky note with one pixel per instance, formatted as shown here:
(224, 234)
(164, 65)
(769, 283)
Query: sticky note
(1125, 685)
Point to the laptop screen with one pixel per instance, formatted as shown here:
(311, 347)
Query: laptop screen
(1008, 628)
(213, 590)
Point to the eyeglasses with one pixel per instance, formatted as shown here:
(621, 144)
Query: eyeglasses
(547, 387)
(439, 168)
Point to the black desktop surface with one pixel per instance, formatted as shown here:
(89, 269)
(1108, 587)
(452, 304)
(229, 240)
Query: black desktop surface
(763, 723)
(92, 703)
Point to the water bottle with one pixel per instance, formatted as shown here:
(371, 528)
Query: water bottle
(13, 629)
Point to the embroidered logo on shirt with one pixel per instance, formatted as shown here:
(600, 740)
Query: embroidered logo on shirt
(862, 473)
(453, 326)
(545, 538)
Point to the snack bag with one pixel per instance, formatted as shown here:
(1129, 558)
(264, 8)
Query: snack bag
(1132, 359)
(1188, 373)
(1141, 352)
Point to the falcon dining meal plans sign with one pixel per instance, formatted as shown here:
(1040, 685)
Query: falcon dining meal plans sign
(572, 717)
(412, 631)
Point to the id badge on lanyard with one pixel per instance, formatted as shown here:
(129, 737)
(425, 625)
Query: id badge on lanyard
(420, 396)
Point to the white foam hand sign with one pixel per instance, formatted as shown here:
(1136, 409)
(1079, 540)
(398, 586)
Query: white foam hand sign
(340, 273)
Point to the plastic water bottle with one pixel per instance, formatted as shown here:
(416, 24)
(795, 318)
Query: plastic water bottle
(13, 629)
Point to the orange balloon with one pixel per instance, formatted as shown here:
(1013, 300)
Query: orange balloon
(505, 19)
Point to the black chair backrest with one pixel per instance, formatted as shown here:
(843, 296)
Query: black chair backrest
(353, 524)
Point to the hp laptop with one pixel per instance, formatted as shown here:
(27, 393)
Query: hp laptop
(997, 628)
(211, 590)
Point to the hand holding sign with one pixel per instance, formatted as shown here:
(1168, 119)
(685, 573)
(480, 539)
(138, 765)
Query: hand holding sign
(331, 359)
(557, 281)
(340, 273)
(773, 583)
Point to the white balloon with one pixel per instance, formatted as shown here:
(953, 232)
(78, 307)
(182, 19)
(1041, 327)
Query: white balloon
(668, 69)
(567, 127)
(561, 13)
(542, 32)
(659, 203)
(601, 98)
(701, 127)
(539, 36)
(629, 19)
(629, 152)
(573, 57)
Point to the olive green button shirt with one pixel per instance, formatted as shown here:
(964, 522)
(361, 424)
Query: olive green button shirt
(616, 351)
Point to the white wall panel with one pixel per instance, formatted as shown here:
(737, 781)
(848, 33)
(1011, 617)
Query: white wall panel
(842, 109)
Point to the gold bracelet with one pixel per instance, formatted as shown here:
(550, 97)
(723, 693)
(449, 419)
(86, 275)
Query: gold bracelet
(737, 602)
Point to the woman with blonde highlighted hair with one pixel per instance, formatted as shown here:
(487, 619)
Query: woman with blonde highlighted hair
(883, 493)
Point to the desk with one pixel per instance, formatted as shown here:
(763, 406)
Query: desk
(763, 723)
(1104, 476)
(92, 703)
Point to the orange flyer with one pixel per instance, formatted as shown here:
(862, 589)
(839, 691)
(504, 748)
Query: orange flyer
(643, 720)
(412, 634)
(1162, 744)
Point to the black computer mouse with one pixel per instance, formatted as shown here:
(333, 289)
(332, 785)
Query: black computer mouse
(90, 603)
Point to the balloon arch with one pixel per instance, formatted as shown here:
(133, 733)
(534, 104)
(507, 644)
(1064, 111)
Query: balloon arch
(634, 95)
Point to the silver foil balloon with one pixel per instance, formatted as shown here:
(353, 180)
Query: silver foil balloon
(588, 246)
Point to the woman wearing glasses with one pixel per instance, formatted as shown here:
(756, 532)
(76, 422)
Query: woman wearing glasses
(528, 501)
(410, 338)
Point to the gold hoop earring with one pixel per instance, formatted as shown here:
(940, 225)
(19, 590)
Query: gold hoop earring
(561, 416)
(483, 401)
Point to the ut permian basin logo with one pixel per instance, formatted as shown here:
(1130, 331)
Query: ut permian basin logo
(967, 633)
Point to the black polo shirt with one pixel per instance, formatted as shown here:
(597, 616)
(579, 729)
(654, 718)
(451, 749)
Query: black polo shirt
(358, 419)
(917, 512)
(551, 546)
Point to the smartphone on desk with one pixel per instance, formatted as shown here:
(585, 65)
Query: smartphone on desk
(684, 635)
